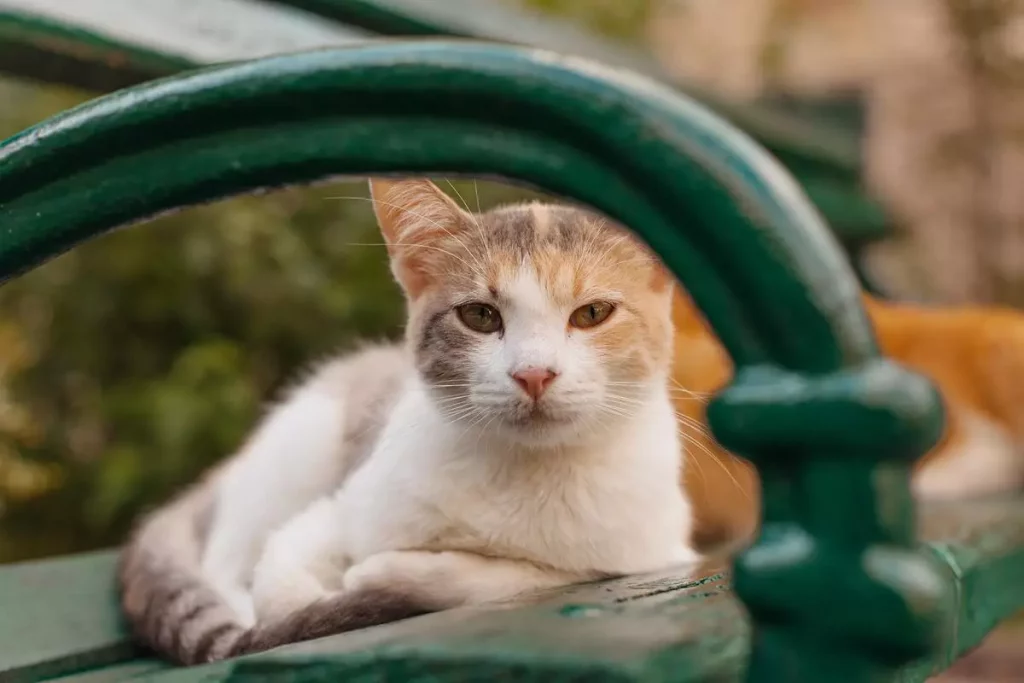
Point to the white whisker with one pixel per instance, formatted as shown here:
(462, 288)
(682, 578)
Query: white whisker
(458, 194)
(478, 268)
(415, 246)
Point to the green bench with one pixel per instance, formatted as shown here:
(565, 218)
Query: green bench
(102, 45)
(837, 588)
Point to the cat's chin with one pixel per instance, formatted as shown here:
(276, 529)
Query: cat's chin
(543, 432)
(541, 439)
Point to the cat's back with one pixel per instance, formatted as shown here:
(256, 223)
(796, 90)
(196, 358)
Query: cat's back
(366, 384)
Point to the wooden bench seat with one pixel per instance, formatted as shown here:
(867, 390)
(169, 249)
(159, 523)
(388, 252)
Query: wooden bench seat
(60, 622)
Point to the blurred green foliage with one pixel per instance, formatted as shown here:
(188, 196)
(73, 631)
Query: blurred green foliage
(130, 364)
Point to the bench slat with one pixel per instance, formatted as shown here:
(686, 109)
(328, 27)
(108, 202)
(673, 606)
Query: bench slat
(194, 31)
(983, 544)
(116, 673)
(60, 616)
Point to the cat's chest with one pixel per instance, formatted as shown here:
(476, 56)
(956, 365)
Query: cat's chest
(580, 517)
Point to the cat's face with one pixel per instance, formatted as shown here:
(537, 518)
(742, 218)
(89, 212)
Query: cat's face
(541, 324)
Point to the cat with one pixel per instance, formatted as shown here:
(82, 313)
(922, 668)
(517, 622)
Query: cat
(521, 438)
(973, 356)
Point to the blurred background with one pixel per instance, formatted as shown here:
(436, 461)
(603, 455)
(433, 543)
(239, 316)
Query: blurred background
(134, 362)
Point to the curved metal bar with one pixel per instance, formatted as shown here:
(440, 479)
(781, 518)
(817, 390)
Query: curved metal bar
(830, 425)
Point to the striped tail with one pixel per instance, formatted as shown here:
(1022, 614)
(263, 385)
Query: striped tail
(176, 612)
(344, 612)
(171, 608)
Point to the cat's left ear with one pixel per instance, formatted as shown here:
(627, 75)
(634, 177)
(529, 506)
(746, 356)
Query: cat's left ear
(413, 211)
(413, 214)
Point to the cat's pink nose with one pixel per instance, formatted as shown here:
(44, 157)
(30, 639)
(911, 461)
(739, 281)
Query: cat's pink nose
(534, 381)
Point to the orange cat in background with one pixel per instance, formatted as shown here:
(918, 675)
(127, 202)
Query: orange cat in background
(971, 354)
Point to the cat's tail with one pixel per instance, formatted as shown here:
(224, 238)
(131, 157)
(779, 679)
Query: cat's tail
(170, 606)
(175, 611)
(338, 614)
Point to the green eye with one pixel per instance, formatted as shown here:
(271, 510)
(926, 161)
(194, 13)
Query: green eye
(480, 317)
(591, 314)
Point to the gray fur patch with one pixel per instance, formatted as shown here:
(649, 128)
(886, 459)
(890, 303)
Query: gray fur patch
(442, 349)
(346, 612)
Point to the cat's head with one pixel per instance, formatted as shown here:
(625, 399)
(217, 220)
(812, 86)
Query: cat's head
(544, 324)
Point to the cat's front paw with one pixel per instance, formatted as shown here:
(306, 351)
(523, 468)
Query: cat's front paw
(383, 570)
(281, 586)
(432, 576)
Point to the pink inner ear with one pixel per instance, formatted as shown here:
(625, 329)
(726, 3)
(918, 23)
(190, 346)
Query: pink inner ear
(413, 210)
(411, 273)
(412, 215)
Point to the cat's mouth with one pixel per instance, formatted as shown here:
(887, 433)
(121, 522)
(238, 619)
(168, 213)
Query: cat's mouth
(537, 415)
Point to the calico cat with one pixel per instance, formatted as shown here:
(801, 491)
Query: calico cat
(972, 354)
(522, 437)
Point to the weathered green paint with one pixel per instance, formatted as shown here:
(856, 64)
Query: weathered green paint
(137, 669)
(108, 44)
(58, 617)
(835, 426)
(666, 627)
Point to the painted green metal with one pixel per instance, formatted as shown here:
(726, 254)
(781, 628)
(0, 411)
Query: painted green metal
(831, 425)
(63, 624)
(63, 46)
(63, 53)
(59, 617)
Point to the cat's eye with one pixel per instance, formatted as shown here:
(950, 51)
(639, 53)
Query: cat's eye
(591, 315)
(480, 317)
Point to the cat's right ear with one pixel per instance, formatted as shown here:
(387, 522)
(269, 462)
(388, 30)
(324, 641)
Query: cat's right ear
(413, 214)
